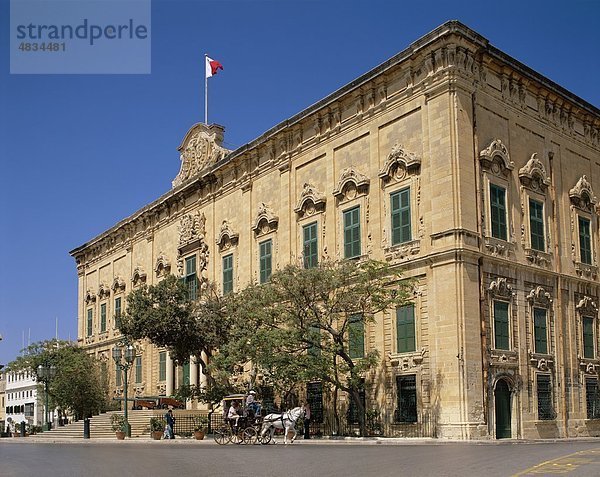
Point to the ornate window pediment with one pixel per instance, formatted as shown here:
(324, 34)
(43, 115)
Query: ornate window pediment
(266, 221)
(118, 285)
(90, 296)
(139, 276)
(533, 174)
(103, 291)
(495, 158)
(587, 306)
(500, 288)
(398, 164)
(227, 237)
(192, 227)
(539, 297)
(163, 265)
(311, 201)
(582, 195)
(351, 184)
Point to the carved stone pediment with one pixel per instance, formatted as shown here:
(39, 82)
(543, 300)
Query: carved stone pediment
(139, 276)
(587, 306)
(311, 201)
(192, 227)
(351, 184)
(227, 237)
(163, 265)
(582, 195)
(495, 158)
(543, 362)
(533, 174)
(90, 296)
(539, 297)
(266, 221)
(399, 163)
(201, 148)
(118, 285)
(500, 288)
(103, 291)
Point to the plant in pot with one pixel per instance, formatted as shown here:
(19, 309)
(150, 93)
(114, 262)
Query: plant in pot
(200, 426)
(118, 425)
(157, 427)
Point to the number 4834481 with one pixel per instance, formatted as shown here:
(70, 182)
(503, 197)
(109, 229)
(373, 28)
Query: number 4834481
(42, 46)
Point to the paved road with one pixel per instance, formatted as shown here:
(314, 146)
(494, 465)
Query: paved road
(301, 459)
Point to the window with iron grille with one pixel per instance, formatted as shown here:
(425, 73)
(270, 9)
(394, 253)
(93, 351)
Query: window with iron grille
(592, 398)
(138, 369)
(314, 398)
(585, 241)
(540, 330)
(405, 329)
(498, 211)
(227, 274)
(265, 257)
(309, 245)
(536, 225)
(118, 312)
(352, 233)
(90, 322)
(356, 336)
(544, 398)
(501, 328)
(102, 317)
(400, 202)
(191, 279)
(162, 366)
(588, 337)
(353, 411)
(406, 388)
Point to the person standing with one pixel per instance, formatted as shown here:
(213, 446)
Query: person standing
(170, 428)
(306, 420)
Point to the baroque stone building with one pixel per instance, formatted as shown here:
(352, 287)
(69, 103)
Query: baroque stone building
(452, 161)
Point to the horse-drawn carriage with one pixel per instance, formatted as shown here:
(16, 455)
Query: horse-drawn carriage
(249, 428)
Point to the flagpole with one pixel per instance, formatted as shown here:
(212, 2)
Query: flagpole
(205, 92)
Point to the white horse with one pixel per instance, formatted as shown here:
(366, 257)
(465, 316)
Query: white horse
(286, 421)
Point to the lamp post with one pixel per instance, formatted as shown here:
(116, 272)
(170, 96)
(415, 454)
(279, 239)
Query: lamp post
(124, 366)
(45, 374)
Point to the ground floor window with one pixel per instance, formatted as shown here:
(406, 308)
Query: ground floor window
(314, 398)
(592, 398)
(544, 397)
(353, 411)
(406, 387)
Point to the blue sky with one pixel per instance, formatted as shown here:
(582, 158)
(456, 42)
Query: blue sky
(81, 152)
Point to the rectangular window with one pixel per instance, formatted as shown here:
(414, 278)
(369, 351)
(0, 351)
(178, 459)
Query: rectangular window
(314, 398)
(353, 411)
(592, 398)
(118, 376)
(266, 256)
(186, 373)
(102, 317)
(138, 369)
(585, 241)
(588, 337)
(310, 251)
(405, 329)
(90, 322)
(352, 233)
(227, 274)
(536, 224)
(406, 387)
(191, 279)
(400, 205)
(356, 336)
(540, 329)
(544, 397)
(118, 312)
(501, 336)
(162, 366)
(498, 211)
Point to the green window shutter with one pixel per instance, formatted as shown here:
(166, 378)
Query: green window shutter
(498, 211)
(544, 395)
(540, 330)
(405, 329)
(191, 279)
(352, 233)
(310, 250)
(536, 224)
(265, 262)
(227, 274)
(102, 317)
(90, 322)
(118, 312)
(356, 336)
(162, 366)
(501, 327)
(588, 337)
(585, 241)
(138, 369)
(406, 388)
(401, 227)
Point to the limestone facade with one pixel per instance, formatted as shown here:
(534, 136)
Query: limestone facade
(489, 167)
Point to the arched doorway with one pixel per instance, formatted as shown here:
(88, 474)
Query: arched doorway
(502, 402)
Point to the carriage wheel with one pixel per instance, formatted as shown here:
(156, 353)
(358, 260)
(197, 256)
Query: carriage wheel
(237, 437)
(249, 435)
(266, 439)
(222, 436)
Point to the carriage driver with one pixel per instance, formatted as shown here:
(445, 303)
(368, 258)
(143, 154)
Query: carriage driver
(251, 403)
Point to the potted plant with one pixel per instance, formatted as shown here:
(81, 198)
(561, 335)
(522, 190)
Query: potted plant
(200, 426)
(157, 427)
(118, 425)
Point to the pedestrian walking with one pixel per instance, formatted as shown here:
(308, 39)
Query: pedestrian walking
(306, 420)
(170, 427)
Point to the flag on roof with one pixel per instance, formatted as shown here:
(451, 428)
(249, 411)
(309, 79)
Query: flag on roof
(212, 66)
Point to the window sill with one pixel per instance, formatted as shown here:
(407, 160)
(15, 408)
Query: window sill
(402, 250)
(538, 257)
(498, 247)
(408, 360)
(585, 270)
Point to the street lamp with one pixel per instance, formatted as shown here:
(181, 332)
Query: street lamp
(45, 374)
(124, 366)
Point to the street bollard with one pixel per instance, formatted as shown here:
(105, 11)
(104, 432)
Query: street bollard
(22, 428)
(86, 428)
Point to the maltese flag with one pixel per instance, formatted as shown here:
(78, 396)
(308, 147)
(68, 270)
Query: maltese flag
(212, 66)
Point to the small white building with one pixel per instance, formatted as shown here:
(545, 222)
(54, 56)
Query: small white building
(21, 399)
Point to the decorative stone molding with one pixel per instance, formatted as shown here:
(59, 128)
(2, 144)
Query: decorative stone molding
(351, 185)
(542, 362)
(118, 391)
(139, 276)
(539, 297)
(138, 389)
(537, 257)
(584, 270)
(312, 201)
(163, 265)
(582, 195)
(201, 147)
(498, 248)
(495, 158)
(227, 237)
(589, 366)
(90, 296)
(500, 288)
(161, 389)
(587, 307)
(118, 285)
(406, 361)
(402, 251)
(398, 164)
(103, 291)
(533, 174)
(266, 221)
(504, 358)
(192, 227)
